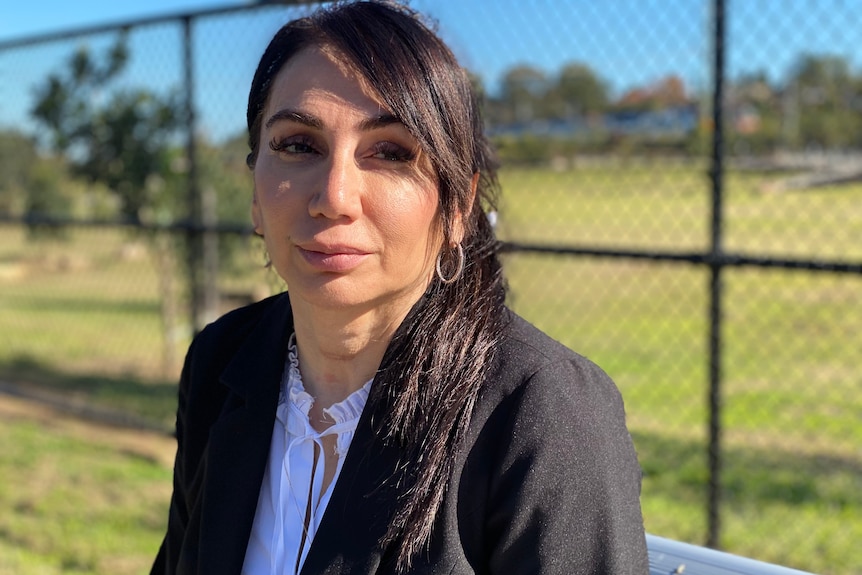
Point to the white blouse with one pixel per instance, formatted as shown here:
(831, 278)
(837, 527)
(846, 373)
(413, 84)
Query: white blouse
(292, 481)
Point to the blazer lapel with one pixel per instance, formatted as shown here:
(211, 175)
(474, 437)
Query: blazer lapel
(362, 503)
(239, 442)
(366, 493)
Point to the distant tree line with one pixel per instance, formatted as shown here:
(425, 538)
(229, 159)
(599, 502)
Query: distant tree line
(528, 94)
(535, 116)
(123, 152)
(819, 107)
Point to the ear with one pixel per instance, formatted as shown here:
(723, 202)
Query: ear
(458, 228)
(256, 216)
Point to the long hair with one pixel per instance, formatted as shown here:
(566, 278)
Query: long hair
(437, 363)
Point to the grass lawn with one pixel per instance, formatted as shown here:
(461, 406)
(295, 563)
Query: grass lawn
(79, 499)
(81, 317)
(792, 390)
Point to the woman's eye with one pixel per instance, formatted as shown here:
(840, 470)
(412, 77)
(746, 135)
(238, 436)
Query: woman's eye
(393, 152)
(297, 145)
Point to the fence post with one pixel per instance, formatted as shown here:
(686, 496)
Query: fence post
(202, 240)
(715, 284)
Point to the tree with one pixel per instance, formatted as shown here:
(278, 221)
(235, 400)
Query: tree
(17, 156)
(668, 92)
(579, 92)
(753, 112)
(33, 186)
(121, 138)
(121, 143)
(826, 76)
(523, 92)
(47, 196)
(821, 100)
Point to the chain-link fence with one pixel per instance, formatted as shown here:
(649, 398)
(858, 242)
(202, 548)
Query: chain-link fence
(708, 257)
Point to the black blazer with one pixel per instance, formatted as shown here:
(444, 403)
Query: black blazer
(547, 482)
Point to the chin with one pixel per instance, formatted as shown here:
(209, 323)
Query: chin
(344, 293)
(335, 293)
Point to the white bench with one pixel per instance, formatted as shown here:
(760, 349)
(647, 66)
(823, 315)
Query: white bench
(668, 557)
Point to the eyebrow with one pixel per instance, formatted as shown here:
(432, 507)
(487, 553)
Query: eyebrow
(295, 116)
(376, 122)
(312, 121)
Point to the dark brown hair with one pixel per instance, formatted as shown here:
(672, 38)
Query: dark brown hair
(438, 361)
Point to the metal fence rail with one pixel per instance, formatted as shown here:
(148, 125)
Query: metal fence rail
(682, 203)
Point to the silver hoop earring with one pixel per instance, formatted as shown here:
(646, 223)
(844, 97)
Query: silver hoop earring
(458, 271)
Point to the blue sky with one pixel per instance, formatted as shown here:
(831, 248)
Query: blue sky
(628, 42)
(21, 18)
(491, 34)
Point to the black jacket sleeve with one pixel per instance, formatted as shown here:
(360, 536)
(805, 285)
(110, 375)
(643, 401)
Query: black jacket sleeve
(564, 497)
(178, 514)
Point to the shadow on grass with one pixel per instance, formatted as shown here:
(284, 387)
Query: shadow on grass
(751, 477)
(118, 400)
(85, 305)
(674, 468)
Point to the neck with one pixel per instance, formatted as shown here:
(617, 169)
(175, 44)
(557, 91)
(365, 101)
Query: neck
(340, 350)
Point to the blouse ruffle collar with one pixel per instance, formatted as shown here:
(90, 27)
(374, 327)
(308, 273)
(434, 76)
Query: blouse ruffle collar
(293, 392)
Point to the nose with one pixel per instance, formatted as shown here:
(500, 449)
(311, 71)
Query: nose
(338, 193)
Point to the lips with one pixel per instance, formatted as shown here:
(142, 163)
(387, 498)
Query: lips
(332, 258)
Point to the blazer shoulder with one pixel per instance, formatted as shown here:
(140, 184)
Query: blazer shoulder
(530, 361)
(233, 327)
(525, 349)
(216, 345)
(561, 417)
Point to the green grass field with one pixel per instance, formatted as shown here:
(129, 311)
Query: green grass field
(78, 503)
(81, 317)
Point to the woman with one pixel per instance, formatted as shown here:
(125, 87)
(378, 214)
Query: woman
(388, 414)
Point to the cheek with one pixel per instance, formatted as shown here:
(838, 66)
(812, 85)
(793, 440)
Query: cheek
(272, 194)
(264, 184)
(413, 220)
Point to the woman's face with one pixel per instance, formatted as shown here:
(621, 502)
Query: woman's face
(344, 200)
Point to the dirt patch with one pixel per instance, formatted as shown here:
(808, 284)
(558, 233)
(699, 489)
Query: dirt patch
(142, 443)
